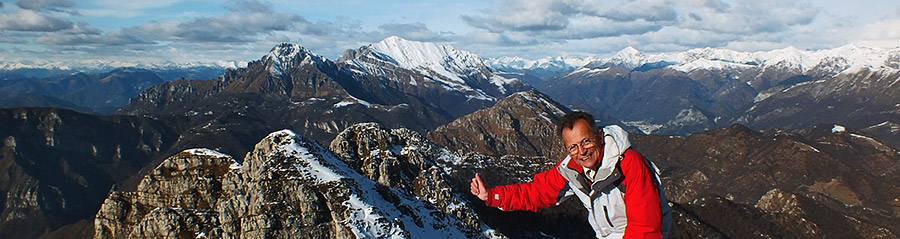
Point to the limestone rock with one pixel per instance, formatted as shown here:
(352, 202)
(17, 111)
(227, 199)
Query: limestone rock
(286, 187)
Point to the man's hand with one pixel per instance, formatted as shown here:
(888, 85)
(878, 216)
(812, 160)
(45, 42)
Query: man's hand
(477, 188)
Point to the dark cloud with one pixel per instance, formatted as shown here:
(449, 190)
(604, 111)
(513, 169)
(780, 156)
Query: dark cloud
(63, 6)
(695, 16)
(235, 27)
(83, 35)
(247, 21)
(500, 25)
(662, 14)
(14, 37)
(28, 20)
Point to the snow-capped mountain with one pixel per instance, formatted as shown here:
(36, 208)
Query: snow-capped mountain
(451, 79)
(701, 89)
(284, 57)
(429, 58)
(432, 65)
(845, 59)
(543, 69)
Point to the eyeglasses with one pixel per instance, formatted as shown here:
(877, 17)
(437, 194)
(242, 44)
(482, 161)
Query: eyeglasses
(584, 145)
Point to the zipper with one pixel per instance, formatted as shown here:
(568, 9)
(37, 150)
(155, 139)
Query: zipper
(606, 214)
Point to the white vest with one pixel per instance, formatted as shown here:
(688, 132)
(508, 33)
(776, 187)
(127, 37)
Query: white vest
(603, 199)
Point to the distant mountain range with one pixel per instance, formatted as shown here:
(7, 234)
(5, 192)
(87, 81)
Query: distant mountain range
(703, 89)
(89, 92)
(538, 70)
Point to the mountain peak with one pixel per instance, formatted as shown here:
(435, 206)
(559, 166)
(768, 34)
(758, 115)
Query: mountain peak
(630, 50)
(628, 57)
(439, 65)
(288, 50)
(287, 55)
(414, 54)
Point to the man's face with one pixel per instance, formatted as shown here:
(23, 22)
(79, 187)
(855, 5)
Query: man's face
(582, 145)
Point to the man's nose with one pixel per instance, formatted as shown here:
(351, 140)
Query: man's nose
(581, 150)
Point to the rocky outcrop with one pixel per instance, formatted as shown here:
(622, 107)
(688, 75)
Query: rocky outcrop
(178, 198)
(401, 158)
(287, 187)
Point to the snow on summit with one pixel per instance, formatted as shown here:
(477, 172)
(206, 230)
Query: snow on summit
(284, 55)
(446, 61)
(414, 54)
(443, 65)
(369, 213)
(843, 59)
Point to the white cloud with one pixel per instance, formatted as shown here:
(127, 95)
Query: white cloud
(659, 22)
(882, 34)
(244, 33)
(415, 31)
(28, 20)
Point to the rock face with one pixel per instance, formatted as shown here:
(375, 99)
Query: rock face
(288, 187)
(401, 158)
(177, 198)
(57, 166)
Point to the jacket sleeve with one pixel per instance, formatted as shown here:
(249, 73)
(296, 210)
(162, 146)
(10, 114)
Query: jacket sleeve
(545, 189)
(642, 208)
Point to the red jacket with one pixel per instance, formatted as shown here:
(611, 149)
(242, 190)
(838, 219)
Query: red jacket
(641, 194)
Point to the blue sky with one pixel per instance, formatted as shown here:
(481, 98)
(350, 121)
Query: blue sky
(69, 33)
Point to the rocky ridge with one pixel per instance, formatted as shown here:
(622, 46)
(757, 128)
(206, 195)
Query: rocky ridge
(522, 124)
(289, 187)
(290, 87)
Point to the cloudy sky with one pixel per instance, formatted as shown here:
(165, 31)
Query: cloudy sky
(84, 32)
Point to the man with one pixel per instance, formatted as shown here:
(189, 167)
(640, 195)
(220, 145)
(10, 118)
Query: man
(607, 176)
